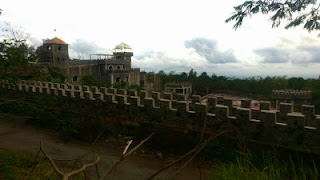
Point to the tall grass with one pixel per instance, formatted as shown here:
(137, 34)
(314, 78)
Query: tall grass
(249, 166)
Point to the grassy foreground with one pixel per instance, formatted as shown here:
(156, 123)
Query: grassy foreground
(19, 165)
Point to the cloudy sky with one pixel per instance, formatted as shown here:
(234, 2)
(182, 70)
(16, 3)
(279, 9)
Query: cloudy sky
(171, 35)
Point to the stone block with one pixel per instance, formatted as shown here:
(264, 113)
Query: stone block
(167, 95)
(98, 96)
(64, 86)
(165, 105)
(110, 98)
(222, 112)
(308, 110)
(122, 92)
(220, 100)
(88, 95)
(94, 89)
(62, 92)
(133, 92)
(143, 95)
(268, 118)
(228, 102)
(196, 99)
(134, 100)
(78, 94)
(245, 103)
(149, 103)
(85, 88)
(53, 91)
(285, 108)
(70, 93)
(265, 105)
(181, 97)
(182, 106)
(112, 91)
(295, 120)
(104, 90)
(56, 85)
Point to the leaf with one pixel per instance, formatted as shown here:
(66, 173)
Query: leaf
(299, 20)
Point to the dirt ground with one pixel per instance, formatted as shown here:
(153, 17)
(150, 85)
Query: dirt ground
(15, 135)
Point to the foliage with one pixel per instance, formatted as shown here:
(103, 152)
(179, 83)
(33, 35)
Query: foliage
(89, 80)
(120, 85)
(14, 60)
(295, 12)
(136, 87)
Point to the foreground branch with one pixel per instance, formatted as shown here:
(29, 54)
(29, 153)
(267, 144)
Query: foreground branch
(67, 175)
(122, 158)
(197, 149)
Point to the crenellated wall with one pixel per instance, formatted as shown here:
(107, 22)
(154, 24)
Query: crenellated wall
(283, 127)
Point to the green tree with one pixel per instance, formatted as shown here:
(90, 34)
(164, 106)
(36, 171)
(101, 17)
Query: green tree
(14, 60)
(295, 12)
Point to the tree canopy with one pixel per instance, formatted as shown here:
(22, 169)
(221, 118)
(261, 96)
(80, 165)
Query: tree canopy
(294, 12)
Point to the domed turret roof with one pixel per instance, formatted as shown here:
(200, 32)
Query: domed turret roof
(54, 41)
(122, 47)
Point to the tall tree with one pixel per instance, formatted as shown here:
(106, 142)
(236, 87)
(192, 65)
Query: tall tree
(295, 12)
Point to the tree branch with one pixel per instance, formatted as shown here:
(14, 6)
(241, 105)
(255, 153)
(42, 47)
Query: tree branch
(124, 156)
(67, 175)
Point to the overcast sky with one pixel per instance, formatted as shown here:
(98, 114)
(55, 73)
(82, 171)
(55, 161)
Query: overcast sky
(171, 35)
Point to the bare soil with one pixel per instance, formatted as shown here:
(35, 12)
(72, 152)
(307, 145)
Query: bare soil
(15, 135)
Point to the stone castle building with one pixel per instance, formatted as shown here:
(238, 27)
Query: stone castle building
(108, 69)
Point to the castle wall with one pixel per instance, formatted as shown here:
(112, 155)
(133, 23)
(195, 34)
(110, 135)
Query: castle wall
(284, 128)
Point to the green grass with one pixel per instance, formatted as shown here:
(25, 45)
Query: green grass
(18, 165)
(248, 168)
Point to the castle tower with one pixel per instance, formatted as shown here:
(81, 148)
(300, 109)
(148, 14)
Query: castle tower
(123, 52)
(53, 50)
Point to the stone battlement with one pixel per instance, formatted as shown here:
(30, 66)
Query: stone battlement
(289, 94)
(297, 131)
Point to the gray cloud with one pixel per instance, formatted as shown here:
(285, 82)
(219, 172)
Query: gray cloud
(312, 52)
(82, 49)
(305, 51)
(273, 55)
(209, 50)
(145, 54)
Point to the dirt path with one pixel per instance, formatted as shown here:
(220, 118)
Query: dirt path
(17, 136)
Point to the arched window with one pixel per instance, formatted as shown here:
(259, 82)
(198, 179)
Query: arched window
(118, 67)
(110, 67)
(75, 78)
(118, 79)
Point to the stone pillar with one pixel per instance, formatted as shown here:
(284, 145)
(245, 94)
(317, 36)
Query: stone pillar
(268, 118)
(212, 102)
(309, 112)
(285, 108)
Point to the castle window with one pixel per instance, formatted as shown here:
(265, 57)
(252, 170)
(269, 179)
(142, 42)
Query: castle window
(49, 48)
(58, 59)
(110, 67)
(118, 79)
(59, 48)
(75, 78)
(118, 67)
(118, 57)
